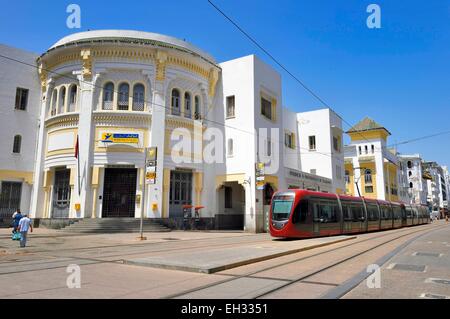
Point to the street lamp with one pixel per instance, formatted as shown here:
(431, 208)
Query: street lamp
(356, 181)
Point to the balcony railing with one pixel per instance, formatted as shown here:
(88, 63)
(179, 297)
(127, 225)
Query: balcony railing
(107, 105)
(122, 105)
(138, 106)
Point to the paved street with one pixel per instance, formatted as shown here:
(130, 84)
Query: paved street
(331, 267)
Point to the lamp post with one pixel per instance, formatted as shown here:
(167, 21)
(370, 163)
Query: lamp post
(356, 181)
(141, 228)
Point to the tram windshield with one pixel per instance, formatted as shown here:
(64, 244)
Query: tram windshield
(282, 207)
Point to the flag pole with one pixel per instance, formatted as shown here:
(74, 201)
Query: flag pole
(77, 155)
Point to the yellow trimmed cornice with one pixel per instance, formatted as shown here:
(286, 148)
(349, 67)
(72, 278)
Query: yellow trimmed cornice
(161, 59)
(239, 178)
(63, 120)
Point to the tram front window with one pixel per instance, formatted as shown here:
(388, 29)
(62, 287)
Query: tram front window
(282, 207)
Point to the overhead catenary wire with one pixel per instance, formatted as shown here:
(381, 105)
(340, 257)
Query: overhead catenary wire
(271, 56)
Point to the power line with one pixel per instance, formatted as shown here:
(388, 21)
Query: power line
(152, 103)
(281, 65)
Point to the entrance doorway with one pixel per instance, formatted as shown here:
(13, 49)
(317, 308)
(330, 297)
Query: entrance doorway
(61, 194)
(119, 192)
(180, 192)
(9, 198)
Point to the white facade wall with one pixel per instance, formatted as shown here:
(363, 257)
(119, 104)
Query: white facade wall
(13, 75)
(325, 160)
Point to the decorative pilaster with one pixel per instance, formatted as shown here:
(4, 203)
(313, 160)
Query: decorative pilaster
(161, 62)
(212, 79)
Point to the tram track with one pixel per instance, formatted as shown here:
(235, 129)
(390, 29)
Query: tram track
(309, 275)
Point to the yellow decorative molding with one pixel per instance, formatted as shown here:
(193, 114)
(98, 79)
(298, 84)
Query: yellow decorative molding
(43, 74)
(271, 179)
(86, 58)
(166, 186)
(48, 178)
(161, 61)
(11, 174)
(212, 79)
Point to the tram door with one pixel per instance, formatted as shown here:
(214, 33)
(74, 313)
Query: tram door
(61, 194)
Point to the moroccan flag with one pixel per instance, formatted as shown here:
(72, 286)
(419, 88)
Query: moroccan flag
(76, 149)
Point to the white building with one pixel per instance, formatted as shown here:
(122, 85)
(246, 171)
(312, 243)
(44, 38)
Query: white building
(437, 189)
(19, 106)
(107, 96)
(413, 179)
(321, 144)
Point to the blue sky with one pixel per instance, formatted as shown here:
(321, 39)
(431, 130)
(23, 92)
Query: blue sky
(399, 75)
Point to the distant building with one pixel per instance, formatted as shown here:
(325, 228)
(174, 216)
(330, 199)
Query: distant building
(437, 186)
(370, 167)
(413, 179)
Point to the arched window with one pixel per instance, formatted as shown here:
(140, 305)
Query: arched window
(124, 93)
(368, 176)
(175, 102)
(72, 98)
(410, 173)
(62, 100)
(138, 97)
(347, 176)
(54, 101)
(411, 185)
(17, 144)
(108, 96)
(409, 164)
(197, 110)
(187, 105)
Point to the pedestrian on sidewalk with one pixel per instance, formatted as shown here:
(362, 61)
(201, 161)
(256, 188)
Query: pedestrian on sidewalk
(17, 216)
(24, 226)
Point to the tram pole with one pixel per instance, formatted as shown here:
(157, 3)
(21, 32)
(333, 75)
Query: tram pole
(141, 229)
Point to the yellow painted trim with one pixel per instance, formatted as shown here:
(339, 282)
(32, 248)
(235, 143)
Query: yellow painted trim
(11, 174)
(372, 134)
(271, 179)
(166, 189)
(240, 178)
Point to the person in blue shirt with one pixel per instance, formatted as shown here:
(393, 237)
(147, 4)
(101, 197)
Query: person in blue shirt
(17, 216)
(24, 226)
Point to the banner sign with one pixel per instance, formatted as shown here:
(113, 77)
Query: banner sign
(120, 138)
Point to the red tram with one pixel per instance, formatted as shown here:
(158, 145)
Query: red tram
(299, 213)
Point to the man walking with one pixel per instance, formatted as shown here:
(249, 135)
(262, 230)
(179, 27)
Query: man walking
(24, 225)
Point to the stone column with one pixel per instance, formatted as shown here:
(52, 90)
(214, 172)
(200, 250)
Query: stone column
(38, 201)
(157, 139)
(379, 169)
(86, 135)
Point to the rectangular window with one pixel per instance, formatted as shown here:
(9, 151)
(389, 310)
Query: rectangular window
(230, 147)
(10, 196)
(336, 144)
(366, 149)
(373, 149)
(312, 143)
(266, 108)
(313, 171)
(369, 189)
(21, 99)
(360, 152)
(289, 140)
(230, 107)
(228, 197)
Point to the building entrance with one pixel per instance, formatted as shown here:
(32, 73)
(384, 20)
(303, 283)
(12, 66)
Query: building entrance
(119, 192)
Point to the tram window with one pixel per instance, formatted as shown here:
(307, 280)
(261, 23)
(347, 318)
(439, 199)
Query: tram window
(328, 212)
(347, 212)
(358, 213)
(385, 213)
(301, 212)
(397, 212)
(281, 207)
(408, 212)
(372, 211)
